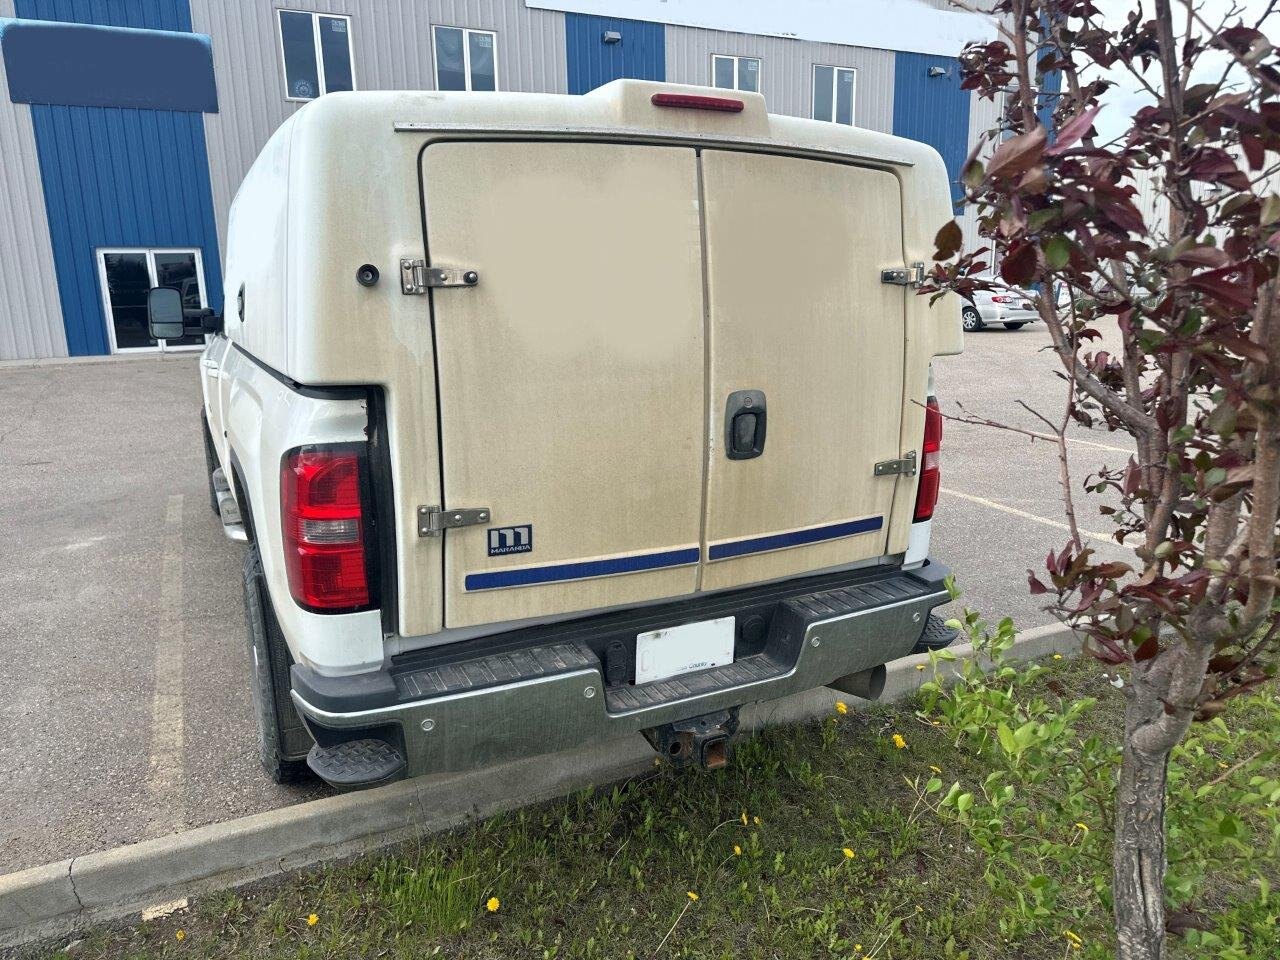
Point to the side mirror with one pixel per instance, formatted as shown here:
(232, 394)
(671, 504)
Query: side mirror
(164, 313)
(210, 322)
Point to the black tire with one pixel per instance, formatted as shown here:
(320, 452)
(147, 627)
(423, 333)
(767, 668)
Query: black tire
(210, 464)
(971, 320)
(283, 740)
(1014, 326)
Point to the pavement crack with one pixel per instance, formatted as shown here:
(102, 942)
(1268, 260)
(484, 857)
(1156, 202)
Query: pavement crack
(71, 878)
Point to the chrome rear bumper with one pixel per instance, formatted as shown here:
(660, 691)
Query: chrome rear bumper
(514, 699)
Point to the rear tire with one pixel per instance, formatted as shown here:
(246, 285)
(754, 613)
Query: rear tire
(283, 740)
(210, 464)
(1014, 326)
(971, 319)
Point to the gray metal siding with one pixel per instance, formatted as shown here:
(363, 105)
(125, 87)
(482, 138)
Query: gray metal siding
(30, 311)
(391, 40)
(786, 70)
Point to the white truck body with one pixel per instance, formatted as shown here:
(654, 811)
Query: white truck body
(634, 267)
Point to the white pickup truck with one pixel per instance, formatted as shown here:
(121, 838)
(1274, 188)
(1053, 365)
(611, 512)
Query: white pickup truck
(549, 419)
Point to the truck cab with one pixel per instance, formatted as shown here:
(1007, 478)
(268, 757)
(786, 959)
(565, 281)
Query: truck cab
(552, 419)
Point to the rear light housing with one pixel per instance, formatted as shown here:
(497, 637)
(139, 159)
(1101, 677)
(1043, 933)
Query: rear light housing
(930, 477)
(325, 514)
(1001, 298)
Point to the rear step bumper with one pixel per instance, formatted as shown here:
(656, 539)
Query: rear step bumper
(544, 689)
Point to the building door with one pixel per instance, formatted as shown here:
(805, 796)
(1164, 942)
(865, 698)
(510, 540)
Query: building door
(125, 277)
(600, 49)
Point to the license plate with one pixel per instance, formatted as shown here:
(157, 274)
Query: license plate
(694, 646)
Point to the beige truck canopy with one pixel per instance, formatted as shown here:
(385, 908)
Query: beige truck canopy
(658, 290)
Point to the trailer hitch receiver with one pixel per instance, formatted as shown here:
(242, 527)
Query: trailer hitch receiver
(703, 740)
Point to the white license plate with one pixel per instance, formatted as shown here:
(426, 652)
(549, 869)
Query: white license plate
(676, 650)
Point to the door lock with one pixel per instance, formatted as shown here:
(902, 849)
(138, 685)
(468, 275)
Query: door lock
(745, 419)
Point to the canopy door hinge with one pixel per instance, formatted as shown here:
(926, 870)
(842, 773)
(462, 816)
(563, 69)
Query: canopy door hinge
(417, 277)
(912, 276)
(433, 521)
(903, 466)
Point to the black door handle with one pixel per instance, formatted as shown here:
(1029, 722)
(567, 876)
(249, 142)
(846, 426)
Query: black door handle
(745, 419)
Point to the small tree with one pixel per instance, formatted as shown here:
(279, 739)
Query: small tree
(1192, 289)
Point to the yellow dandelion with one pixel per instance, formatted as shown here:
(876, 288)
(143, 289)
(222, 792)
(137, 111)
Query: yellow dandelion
(757, 821)
(493, 904)
(692, 896)
(180, 935)
(841, 707)
(899, 741)
(919, 666)
(1057, 656)
(1072, 938)
(848, 854)
(312, 920)
(1083, 827)
(744, 818)
(737, 850)
(1222, 765)
(937, 770)
(857, 947)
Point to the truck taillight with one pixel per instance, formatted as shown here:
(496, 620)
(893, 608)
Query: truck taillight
(322, 512)
(930, 478)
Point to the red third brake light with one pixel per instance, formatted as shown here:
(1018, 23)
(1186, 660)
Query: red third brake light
(930, 477)
(322, 516)
(694, 102)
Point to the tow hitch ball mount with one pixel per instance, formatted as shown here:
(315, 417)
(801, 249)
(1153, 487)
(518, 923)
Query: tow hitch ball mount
(702, 740)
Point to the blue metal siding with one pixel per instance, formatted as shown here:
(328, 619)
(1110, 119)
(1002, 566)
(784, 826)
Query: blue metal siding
(641, 54)
(932, 109)
(143, 14)
(120, 177)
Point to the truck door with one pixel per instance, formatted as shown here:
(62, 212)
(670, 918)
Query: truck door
(806, 354)
(570, 376)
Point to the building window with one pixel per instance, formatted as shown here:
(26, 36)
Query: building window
(126, 276)
(833, 90)
(465, 59)
(735, 73)
(316, 51)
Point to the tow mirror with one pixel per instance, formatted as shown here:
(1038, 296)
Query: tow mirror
(164, 313)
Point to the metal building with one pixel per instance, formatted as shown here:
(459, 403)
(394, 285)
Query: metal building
(126, 126)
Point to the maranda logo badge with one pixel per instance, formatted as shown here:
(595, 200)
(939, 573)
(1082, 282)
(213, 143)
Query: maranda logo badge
(504, 540)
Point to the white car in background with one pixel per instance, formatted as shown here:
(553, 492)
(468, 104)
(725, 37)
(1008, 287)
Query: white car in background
(1014, 310)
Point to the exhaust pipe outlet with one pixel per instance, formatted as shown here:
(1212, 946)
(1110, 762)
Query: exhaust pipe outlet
(866, 684)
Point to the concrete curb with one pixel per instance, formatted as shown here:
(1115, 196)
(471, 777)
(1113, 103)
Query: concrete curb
(59, 898)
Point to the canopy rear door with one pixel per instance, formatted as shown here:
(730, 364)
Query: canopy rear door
(571, 376)
(800, 322)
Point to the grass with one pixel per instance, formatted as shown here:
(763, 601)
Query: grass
(764, 846)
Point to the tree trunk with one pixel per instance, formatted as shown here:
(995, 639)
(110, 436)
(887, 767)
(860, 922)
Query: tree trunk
(1139, 861)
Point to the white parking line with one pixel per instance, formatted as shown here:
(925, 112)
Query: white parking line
(1005, 508)
(167, 735)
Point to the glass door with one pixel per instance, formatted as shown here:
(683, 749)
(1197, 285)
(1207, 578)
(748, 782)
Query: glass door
(127, 275)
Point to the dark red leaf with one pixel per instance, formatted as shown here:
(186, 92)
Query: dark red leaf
(1254, 152)
(1226, 285)
(948, 241)
(1019, 264)
(1035, 586)
(1072, 131)
(1017, 154)
(1243, 347)
(1147, 649)
(1203, 257)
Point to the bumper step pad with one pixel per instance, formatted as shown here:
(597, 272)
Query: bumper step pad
(357, 764)
(937, 636)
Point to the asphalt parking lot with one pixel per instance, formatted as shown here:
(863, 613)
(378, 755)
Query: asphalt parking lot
(123, 680)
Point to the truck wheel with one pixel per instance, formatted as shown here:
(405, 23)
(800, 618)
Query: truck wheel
(970, 319)
(283, 741)
(210, 464)
(1014, 326)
